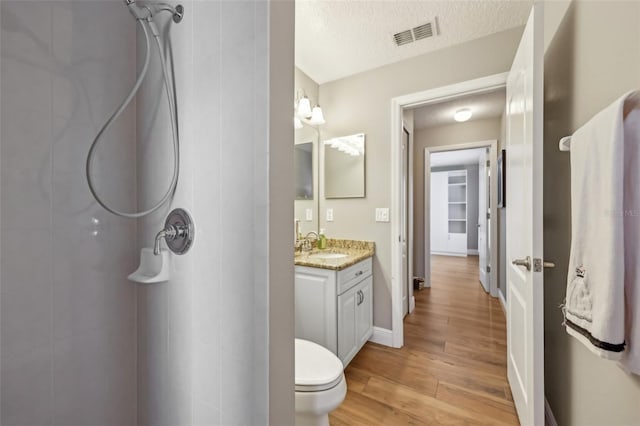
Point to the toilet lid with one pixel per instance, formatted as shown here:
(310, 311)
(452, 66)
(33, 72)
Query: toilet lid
(317, 368)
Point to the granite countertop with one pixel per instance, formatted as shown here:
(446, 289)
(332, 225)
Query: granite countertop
(355, 251)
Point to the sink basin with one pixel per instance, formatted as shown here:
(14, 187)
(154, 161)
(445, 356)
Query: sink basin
(327, 256)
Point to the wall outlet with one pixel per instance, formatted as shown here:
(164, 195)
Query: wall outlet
(309, 215)
(329, 215)
(382, 214)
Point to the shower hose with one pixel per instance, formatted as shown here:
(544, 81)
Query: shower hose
(170, 90)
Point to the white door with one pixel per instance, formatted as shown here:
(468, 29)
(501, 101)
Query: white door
(483, 194)
(525, 339)
(405, 223)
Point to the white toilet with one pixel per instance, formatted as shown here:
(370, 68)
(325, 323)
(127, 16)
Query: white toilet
(320, 384)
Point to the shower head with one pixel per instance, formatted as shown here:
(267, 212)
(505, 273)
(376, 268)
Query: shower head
(147, 11)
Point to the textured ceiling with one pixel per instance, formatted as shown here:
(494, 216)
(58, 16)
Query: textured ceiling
(456, 158)
(483, 106)
(338, 38)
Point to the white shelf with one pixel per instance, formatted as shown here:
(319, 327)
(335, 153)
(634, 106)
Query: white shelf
(458, 184)
(457, 202)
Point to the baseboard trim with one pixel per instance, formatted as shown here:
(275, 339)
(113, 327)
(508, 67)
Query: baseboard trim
(473, 252)
(549, 418)
(382, 336)
(412, 304)
(503, 302)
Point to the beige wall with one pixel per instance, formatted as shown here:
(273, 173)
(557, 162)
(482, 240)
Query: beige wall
(278, 235)
(452, 134)
(361, 103)
(302, 82)
(592, 59)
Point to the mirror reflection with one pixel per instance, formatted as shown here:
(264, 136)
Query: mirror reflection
(306, 178)
(303, 166)
(344, 167)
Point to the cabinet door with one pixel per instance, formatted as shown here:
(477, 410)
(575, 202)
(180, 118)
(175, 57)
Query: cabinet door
(347, 339)
(458, 244)
(315, 306)
(364, 312)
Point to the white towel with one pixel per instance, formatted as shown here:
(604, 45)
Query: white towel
(631, 356)
(595, 303)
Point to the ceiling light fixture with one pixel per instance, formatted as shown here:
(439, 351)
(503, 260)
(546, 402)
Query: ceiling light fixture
(304, 114)
(462, 115)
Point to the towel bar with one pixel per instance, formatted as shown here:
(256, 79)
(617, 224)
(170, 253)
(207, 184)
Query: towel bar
(632, 103)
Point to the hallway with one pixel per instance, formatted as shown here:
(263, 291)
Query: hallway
(452, 369)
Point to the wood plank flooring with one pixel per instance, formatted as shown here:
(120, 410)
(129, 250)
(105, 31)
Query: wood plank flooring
(452, 369)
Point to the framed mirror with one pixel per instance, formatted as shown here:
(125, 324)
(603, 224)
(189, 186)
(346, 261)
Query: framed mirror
(306, 178)
(344, 167)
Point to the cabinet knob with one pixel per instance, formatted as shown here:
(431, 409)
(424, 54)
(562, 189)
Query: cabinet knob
(359, 273)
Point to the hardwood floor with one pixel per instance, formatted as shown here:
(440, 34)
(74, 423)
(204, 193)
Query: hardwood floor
(452, 369)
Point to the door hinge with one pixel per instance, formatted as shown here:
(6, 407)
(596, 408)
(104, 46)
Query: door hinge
(488, 269)
(488, 163)
(488, 215)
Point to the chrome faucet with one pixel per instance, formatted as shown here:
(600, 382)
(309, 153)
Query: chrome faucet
(304, 244)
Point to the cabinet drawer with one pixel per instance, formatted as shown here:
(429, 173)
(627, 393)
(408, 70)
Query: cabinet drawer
(351, 276)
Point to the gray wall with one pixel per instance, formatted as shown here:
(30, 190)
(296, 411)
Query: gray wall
(68, 328)
(361, 103)
(453, 134)
(216, 341)
(585, 70)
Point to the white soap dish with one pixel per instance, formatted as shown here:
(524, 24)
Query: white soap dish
(153, 268)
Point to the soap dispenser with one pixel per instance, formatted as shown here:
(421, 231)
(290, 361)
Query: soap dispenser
(322, 240)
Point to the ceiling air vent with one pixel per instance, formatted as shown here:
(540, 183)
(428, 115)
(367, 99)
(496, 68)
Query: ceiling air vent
(423, 31)
(403, 37)
(420, 32)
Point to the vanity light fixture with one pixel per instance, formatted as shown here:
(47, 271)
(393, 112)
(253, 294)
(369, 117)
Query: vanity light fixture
(316, 116)
(462, 115)
(304, 113)
(304, 107)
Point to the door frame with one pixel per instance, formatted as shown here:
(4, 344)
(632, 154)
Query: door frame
(409, 209)
(492, 144)
(398, 104)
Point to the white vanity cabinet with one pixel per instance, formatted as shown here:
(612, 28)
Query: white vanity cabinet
(335, 308)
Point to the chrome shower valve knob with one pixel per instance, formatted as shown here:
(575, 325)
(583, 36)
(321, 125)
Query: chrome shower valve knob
(178, 233)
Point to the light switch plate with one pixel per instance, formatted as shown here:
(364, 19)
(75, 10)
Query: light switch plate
(382, 214)
(309, 214)
(329, 215)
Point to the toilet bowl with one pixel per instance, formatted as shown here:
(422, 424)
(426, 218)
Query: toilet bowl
(320, 384)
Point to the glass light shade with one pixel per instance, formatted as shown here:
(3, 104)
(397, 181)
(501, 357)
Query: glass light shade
(462, 115)
(304, 107)
(316, 116)
(297, 123)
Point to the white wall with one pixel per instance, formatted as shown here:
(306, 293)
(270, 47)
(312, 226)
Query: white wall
(204, 336)
(361, 103)
(68, 335)
(585, 71)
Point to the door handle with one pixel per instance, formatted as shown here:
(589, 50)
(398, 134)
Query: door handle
(526, 262)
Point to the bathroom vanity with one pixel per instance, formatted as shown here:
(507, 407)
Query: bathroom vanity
(334, 297)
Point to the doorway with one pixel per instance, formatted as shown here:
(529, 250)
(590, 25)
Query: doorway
(458, 208)
(398, 106)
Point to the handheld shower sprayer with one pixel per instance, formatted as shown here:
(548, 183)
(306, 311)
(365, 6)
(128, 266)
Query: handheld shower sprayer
(143, 15)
